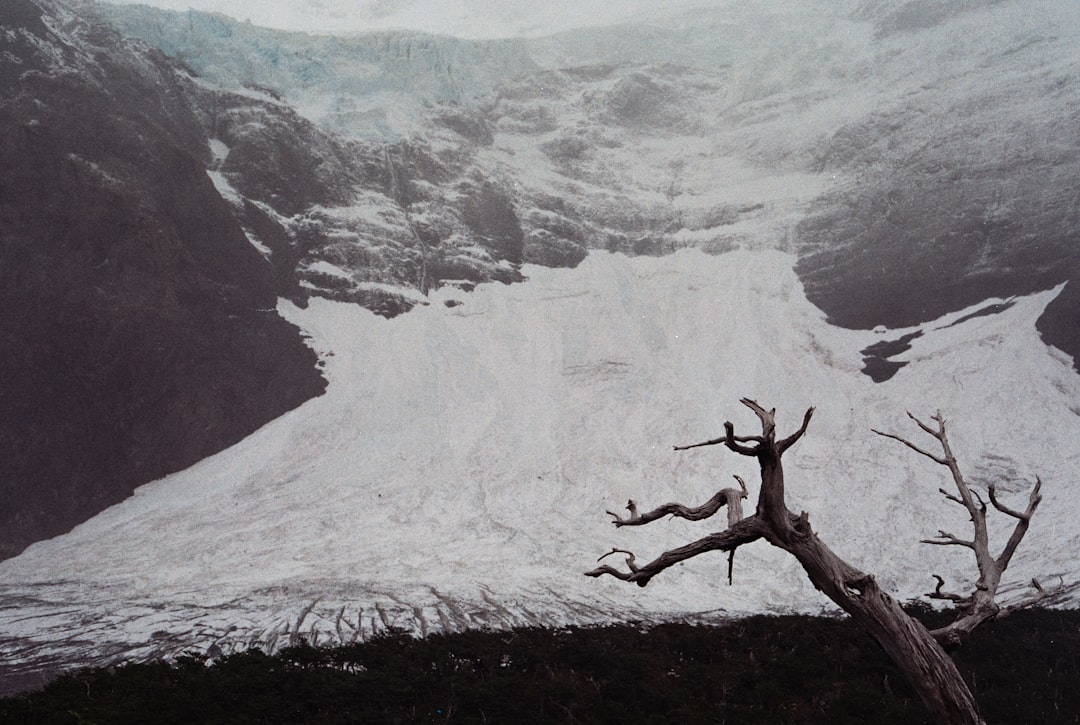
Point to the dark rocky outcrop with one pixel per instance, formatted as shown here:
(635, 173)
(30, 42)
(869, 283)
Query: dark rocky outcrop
(139, 332)
(963, 193)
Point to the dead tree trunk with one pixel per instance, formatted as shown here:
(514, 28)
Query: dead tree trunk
(915, 650)
(981, 605)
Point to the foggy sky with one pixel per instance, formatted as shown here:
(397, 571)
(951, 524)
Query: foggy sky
(462, 18)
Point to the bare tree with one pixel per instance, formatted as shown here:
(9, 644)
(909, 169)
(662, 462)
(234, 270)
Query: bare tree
(919, 653)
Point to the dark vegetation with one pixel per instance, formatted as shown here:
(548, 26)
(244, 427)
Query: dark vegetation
(792, 669)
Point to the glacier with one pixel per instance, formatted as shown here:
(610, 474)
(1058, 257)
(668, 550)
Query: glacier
(457, 471)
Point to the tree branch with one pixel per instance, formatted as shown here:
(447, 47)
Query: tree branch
(938, 594)
(935, 417)
(1033, 501)
(744, 532)
(1041, 596)
(948, 540)
(951, 497)
(722, 497)
(982, 504)
(715, 441)
(712, 442)
(734, 442)
(631, 564)
(912, 446)
(1022, 523)
(767, 418)
(791, 439)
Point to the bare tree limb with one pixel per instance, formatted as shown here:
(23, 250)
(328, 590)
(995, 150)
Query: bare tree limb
(767, 418)
(947, 539)
(716, 441)
(935, 417)
(1033, 500)
(631, 564)
(744, 532)
(1042, 596)
(712, 442)
(982, 504)
(630, 560)
(794, 437)
(734, 443)
(1022, 523)
(938, 594)
(950, 496)
(723, 497)
(912, 446)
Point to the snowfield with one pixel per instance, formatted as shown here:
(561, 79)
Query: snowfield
(457, 472)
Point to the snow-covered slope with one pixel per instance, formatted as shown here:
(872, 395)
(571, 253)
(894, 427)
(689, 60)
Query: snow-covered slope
(457, 471)
(893, 163)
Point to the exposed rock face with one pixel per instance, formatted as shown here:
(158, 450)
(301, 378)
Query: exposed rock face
(139, 333)
(947, 130)
(967, 185)
(149, 221)
(943, 222)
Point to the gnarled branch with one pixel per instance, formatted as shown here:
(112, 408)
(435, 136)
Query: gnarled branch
(734, 442)
(743, 532)
(725, 496)
(938, 594)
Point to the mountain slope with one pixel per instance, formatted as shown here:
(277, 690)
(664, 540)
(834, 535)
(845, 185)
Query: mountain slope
(137, 336)
(150, 222)
(933, 142)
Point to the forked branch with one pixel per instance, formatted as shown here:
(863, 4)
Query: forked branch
(949, 596)
(980, 605)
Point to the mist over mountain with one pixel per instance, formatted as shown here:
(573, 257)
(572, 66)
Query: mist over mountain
(262, 262)
(943, 130)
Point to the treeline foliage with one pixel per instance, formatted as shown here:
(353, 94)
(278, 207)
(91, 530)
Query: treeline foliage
(790, 669)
